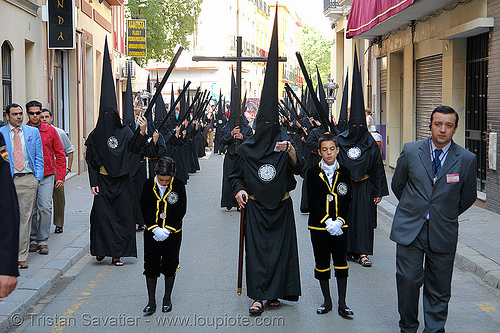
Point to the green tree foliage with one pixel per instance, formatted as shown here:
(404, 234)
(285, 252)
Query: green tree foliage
(315, 52)
(168, 23)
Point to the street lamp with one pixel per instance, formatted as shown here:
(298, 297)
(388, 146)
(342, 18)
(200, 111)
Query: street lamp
(331, 89)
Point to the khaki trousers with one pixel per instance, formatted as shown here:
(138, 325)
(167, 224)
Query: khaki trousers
(26, 188)
(211, 139)
(59, 203)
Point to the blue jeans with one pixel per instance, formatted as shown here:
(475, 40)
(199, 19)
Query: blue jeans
(40, 227)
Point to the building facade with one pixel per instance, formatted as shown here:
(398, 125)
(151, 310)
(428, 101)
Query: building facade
(428, 53)
(65, 80)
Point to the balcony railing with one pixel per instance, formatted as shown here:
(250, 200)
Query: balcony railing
(330, 4)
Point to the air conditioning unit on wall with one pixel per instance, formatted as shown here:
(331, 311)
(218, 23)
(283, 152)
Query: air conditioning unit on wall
(128, 67)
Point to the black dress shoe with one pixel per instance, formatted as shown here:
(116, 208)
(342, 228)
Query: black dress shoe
(346, 312)
(149, 310)
(324, 308)
(58, 230)
(166, 308)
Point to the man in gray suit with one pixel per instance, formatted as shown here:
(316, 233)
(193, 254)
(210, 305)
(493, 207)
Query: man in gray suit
(435, 182)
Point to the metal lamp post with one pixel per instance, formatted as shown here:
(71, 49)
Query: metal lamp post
(331, 89)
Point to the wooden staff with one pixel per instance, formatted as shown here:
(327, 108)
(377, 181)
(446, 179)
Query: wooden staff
(240, 256)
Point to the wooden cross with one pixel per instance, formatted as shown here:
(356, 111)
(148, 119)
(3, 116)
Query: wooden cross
(239, 61)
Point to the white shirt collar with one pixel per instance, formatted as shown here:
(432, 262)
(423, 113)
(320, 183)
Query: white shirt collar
(160, 187)
(445, 148)
(328, 168)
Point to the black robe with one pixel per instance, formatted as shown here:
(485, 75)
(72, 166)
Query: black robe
(112, 219)
(227, 198)
(313, 158)
(174, 151)
(9, 223)
(363, 214)
(219, 124)
(270, 232)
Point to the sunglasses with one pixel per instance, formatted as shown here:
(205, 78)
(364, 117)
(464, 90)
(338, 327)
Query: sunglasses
(33, 113)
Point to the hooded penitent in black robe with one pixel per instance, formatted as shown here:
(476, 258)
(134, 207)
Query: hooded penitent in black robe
(229, 142)
(112, 224)
(272, 262)
(220, 122)
(361, 154)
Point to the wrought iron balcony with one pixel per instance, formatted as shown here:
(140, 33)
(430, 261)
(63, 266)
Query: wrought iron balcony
(334, 9)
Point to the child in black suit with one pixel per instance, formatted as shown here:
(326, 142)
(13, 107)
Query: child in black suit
(329, 198)
(163, 205)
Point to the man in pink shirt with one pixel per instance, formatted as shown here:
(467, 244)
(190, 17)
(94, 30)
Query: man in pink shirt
(54, 160)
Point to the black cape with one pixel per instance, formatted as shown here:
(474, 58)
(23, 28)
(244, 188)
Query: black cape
(9, 223)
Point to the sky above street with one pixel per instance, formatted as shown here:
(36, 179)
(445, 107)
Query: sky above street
(310, 13)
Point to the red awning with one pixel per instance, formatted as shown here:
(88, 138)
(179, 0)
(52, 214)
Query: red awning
(365, 14)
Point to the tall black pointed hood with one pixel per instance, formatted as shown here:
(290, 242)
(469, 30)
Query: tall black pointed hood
(160, 109)
(267, 176)
(128, 105)
(244, 120)
(321, 93)
(357, 118)
(356, 144)
(110, 137)
(311, 107)
(342, 124)
(232, 103)
(267, 127)
(221, 115)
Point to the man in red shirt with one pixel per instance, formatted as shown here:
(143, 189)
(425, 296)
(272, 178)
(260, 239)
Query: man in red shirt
(54, 161)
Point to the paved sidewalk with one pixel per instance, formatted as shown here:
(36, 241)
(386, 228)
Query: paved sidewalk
(478, 248)
(478, 238)
(64, 251)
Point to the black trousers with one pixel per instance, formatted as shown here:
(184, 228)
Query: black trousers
(326, 246)
(417, 264)
(161, 257)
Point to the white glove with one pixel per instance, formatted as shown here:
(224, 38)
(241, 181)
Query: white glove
(159, 234)
(334, 227)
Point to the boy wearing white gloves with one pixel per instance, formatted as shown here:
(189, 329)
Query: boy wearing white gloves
(163, 206)
(329, 198)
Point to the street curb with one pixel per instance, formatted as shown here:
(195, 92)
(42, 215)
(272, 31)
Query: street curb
(35, 288)
(466, 257)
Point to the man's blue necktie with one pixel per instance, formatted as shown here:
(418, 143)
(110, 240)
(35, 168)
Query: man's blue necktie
(437, 161)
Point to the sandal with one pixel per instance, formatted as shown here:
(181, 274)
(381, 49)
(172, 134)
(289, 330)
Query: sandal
(117, 262)
(273, 303)
(99, 258)
(256, 309)
(365, 261)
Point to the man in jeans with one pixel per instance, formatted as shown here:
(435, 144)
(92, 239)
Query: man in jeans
(58, 196)
(54, 162)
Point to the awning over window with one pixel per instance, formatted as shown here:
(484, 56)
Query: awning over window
(365, 14)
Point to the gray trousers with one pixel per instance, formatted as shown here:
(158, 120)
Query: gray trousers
(40, 225)
(417, 264)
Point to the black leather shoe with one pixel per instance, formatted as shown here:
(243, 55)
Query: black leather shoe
(166, 308)
(149, 310)
(324, 309)
(58, 230)
(346, 312)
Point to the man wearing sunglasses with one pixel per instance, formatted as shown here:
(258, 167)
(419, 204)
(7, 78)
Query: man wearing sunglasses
(54, 160)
